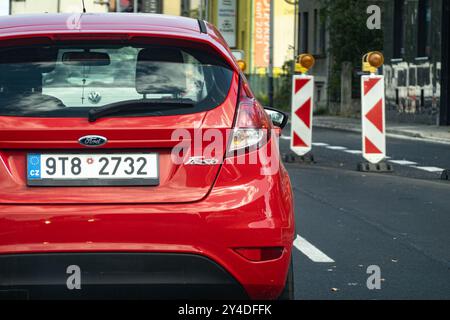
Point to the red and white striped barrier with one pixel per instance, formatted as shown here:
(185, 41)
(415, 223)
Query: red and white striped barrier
(302, 114)
(373, 118)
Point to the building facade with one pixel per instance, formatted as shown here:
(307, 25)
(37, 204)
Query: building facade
(416, 48)
(312, 38)
(416, 42)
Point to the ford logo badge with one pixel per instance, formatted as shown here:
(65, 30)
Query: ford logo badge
(92, 141)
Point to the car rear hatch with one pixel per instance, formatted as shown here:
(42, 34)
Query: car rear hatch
(50, 119)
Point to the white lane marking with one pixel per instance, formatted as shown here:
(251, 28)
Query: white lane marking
(311, 251)
(411, 164)
(403, 162)
(339, 148)
(429, 169)
(353, 151)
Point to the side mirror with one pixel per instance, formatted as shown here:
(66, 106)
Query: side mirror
(279, 118)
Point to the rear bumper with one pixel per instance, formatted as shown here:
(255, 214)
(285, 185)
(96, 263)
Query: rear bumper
(115, 276)
(257, 213)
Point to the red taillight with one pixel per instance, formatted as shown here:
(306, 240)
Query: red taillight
(252, 125)
(260, 254)
(251, 116)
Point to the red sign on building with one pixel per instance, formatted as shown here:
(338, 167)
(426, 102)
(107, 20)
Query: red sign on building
(261, 39)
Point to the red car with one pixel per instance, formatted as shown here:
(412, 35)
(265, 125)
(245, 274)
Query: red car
(135, 162)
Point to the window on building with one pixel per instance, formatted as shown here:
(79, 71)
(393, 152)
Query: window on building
(147, 6)
(399, 30)
(5, 8)
(194, 8)
(424, 29)
(319, 33)
(304, 24)
(316, 31)
(125, 6)
(323, 33)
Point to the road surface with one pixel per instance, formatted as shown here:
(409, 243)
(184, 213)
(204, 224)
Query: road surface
(348, 221)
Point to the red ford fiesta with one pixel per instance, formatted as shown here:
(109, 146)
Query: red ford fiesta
(135, 162)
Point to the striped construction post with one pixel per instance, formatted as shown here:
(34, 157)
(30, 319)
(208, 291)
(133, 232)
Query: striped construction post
(373, 118)
(302, 114)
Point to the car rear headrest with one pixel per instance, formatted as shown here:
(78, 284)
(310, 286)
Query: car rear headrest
(43, 59)
(160, 71)
(21, 79)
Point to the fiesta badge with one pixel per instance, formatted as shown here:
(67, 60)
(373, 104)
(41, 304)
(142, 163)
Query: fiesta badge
(92, 141)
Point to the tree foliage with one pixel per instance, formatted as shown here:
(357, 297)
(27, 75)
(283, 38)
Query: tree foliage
(349, 37)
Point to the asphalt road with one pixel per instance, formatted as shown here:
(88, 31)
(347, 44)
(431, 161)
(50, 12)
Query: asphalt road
(348, 221)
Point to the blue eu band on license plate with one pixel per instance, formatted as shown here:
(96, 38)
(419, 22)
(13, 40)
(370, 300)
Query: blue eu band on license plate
(34, 166)
(125, 169)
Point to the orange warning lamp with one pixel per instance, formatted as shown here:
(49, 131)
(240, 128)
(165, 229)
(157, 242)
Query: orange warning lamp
(372, 61)
(242, 65)
(305, 62)
(375, 59)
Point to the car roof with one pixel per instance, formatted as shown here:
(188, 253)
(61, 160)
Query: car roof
(132, 21)
(137, 23)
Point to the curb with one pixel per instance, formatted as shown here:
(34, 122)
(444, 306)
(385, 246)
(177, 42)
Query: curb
(390, 132)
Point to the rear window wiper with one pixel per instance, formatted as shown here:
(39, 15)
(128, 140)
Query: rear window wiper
(142, 105)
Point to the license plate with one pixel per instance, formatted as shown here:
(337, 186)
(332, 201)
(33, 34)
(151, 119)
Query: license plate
(131, 169)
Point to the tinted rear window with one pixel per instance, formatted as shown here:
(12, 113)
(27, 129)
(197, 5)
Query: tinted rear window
(68, 81)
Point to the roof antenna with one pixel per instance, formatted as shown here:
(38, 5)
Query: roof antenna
(84, 7)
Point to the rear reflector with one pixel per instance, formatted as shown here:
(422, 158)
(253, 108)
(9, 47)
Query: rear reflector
(260, 254)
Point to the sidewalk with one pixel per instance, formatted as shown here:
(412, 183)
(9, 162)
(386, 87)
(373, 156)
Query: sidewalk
(398, 130)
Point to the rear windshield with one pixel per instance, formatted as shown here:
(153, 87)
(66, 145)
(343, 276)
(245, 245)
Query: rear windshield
(68, 81)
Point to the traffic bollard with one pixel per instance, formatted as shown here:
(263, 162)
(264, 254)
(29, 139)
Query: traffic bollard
(373, 116)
